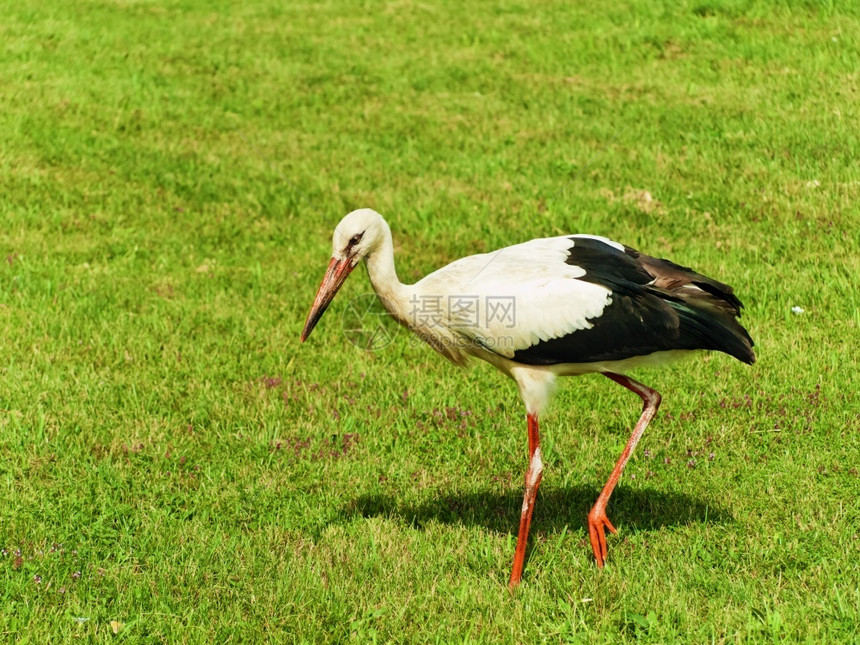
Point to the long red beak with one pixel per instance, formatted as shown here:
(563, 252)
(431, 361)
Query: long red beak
(335, 275)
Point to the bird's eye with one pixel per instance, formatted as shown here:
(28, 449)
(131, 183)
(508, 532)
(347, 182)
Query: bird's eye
(356, 239)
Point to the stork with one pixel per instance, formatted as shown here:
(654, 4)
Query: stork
(557, 306)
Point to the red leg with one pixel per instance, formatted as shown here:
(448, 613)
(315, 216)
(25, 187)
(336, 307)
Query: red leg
(533, 477)
(597, 519)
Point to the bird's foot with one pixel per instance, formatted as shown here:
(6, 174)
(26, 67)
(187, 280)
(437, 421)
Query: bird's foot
(597, 521)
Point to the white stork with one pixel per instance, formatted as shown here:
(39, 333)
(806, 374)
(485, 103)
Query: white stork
(551, 307)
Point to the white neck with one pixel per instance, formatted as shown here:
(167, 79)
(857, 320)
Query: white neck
(383, 277)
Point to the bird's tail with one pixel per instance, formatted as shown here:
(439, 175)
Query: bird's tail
(708, 309)
(713, 327)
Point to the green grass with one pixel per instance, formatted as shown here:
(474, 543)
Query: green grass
(172, 459)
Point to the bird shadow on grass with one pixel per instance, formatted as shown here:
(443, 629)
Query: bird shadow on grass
(555, 509)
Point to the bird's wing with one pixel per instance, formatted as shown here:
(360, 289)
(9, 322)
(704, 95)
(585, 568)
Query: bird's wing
(580, 299)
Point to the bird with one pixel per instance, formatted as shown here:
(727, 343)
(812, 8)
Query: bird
(558, 306)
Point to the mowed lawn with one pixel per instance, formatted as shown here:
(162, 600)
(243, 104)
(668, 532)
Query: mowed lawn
(176, 467)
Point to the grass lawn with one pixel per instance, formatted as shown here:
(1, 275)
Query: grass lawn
(175, 467)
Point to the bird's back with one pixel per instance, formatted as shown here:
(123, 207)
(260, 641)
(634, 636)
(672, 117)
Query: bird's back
(582, 299)
(656, 306)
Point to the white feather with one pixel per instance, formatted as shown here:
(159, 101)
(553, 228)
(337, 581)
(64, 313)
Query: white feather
(543, 293)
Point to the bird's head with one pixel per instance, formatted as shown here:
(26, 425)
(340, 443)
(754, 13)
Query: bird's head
(356, 237)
